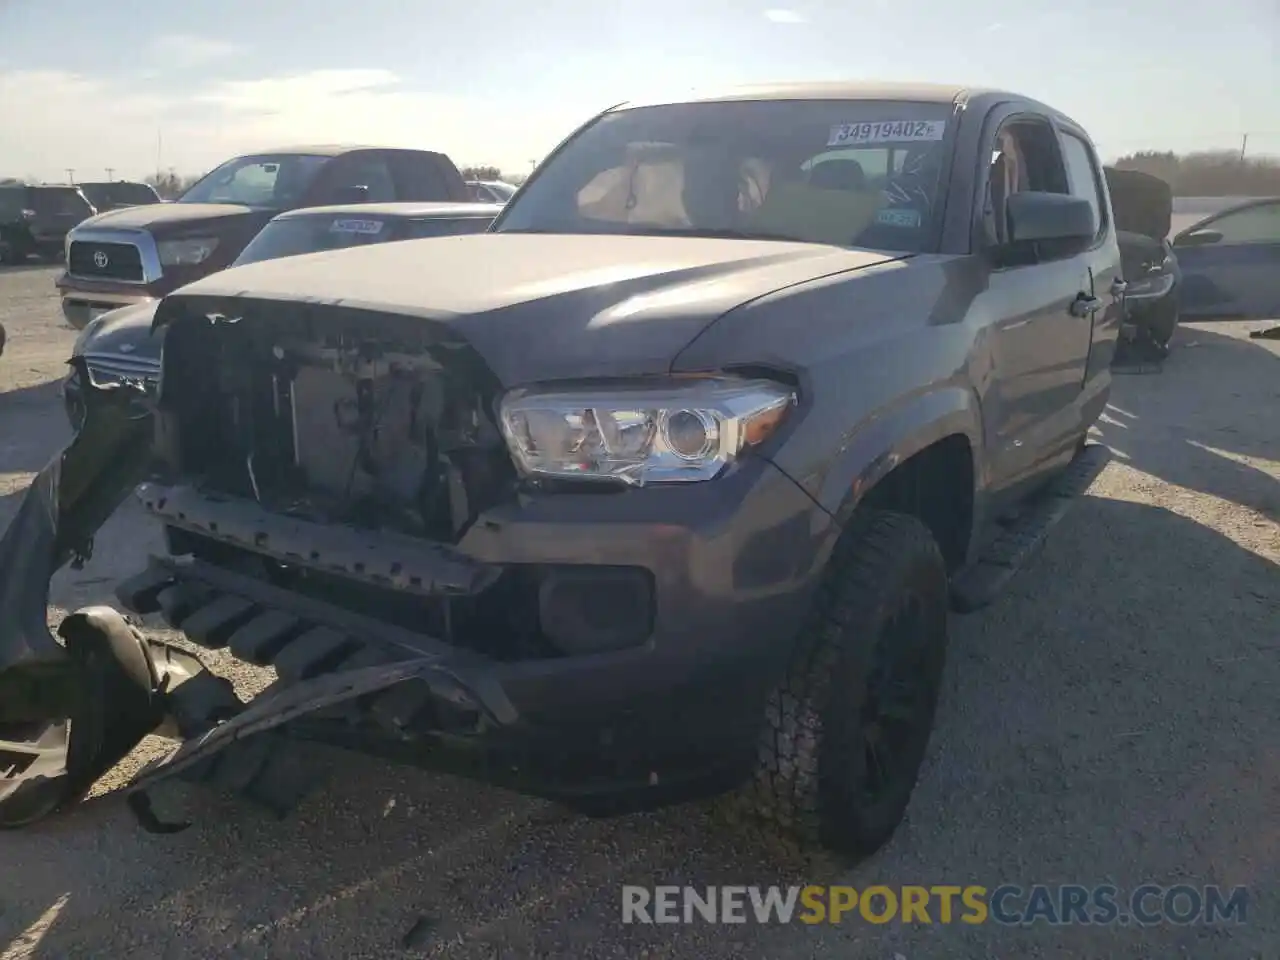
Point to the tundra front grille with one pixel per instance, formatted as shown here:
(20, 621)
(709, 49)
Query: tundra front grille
(105, 261)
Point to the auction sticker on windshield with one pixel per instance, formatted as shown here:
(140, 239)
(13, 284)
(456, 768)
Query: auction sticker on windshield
(887, 131)
(898, 217)
(356, 226)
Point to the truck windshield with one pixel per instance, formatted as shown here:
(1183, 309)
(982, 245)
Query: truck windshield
(311, 234)
(850, 173)
(271, 181)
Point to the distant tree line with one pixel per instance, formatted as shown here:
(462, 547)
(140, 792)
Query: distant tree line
(1214, 173)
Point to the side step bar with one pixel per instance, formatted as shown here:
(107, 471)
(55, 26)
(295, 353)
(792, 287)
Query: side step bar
(978, 584)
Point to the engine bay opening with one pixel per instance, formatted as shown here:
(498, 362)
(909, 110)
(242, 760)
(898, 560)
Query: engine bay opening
(338, 416)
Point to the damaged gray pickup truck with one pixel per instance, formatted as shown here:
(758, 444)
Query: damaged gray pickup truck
(664, 487)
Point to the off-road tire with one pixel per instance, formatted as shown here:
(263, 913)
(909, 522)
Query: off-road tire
(811, 777)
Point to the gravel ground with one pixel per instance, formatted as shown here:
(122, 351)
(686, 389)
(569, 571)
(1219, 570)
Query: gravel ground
(1111, 720)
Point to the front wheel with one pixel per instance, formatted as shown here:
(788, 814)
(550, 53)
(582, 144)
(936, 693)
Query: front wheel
(846, 731)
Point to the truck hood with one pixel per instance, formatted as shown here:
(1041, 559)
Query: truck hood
(539, 307)
(127, 330)
(171, 217)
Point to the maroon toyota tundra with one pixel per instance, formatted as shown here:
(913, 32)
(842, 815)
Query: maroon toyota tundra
(140, 253)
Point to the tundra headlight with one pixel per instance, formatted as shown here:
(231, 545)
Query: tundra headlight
(187, 252)
(680, 431)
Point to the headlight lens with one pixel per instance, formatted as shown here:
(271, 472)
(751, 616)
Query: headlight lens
(677, 432)
(186, 253)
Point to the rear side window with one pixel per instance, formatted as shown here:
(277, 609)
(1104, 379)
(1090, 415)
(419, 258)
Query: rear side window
(1083, 177)
(368, 170)
(418, 178)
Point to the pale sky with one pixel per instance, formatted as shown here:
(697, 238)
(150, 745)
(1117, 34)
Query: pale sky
(91, 85)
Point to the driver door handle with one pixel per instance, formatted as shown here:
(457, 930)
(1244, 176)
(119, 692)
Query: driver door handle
(1085, 305)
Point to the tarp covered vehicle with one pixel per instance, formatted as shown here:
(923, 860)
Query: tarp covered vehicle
(1143, 208)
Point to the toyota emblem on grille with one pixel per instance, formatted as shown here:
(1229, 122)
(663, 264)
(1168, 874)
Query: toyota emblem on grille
(100, 259)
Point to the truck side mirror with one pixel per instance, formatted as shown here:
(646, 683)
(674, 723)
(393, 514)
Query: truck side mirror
(1035, 217)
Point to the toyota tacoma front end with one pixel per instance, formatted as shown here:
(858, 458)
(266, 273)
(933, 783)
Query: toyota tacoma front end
(665, 485)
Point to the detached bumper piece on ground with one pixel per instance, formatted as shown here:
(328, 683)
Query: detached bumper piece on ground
(68, 713)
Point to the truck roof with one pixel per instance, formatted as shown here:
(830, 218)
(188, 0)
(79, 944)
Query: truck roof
(855, 90)
(844, 90)
(401, 210)
(331, 149)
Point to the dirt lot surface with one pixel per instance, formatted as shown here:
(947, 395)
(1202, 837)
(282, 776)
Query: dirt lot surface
(1113, 719)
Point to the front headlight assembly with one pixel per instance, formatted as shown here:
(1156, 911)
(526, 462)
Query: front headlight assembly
(678, 432)
(187, 252)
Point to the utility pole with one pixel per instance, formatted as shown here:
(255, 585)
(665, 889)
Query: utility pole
(110, 171)
(71, 174)
(1244, 142)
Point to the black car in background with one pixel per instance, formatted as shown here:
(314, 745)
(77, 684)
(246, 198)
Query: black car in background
(1230, 262)
(118, 345)
(1143, 209)
(35, 219)
(115, 194)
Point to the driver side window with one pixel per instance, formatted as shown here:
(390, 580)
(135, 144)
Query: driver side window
(363, 171)
(1257, 224)
(1024, 156)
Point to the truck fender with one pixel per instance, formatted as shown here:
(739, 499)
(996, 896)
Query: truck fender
(891, 436)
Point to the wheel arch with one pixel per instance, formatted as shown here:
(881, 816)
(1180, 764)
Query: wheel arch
(922, 458)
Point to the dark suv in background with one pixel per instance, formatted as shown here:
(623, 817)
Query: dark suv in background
(35, 219)
(140, 253)
(112, 195)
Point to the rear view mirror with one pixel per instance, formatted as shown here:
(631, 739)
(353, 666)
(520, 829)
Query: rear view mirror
(1200, 238)
(1037, 217)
